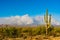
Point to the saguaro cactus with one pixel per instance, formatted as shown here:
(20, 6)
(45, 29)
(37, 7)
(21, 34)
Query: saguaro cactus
(47, 19)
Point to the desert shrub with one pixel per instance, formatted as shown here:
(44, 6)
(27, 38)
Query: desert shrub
(19, 32)
(51, 31)
(35, 31)
(43, 30)
(13, 32)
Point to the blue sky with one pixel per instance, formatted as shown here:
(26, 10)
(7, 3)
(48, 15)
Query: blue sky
(30, 7)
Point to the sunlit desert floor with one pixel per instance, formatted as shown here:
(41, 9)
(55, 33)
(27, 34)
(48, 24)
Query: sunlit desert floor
(56, 38)
(34, 38)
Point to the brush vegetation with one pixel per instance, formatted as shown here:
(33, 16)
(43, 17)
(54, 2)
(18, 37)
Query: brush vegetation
(27, 31)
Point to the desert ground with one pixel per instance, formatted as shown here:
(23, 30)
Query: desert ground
(35, 38)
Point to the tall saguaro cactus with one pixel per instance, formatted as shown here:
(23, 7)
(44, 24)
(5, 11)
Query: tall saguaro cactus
(47, 19)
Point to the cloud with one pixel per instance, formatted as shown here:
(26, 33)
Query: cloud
(25, 20)
(40, 19)
(55, 22)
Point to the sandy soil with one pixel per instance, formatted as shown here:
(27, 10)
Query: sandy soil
(50, 38)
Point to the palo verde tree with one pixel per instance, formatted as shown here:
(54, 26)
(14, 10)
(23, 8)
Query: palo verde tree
(47, 19)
